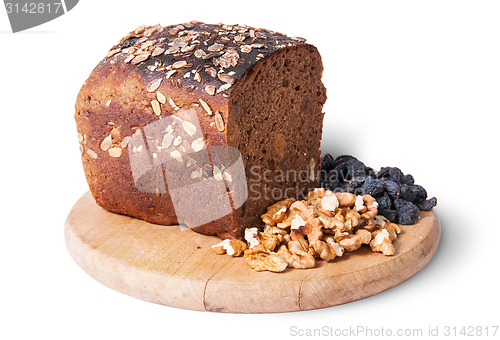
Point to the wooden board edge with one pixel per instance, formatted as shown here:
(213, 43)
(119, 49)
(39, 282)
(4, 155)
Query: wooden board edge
(189, 294)
(384, 278)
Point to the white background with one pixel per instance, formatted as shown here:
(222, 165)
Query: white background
(410, 84)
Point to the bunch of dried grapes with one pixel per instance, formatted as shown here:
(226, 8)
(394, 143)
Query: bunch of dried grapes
(399, 198)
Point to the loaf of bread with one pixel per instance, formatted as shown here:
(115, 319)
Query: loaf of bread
(202, 125)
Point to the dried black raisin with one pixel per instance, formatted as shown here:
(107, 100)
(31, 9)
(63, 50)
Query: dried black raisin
(342, 159)
(340, 172)
(332, 179)
(407, 193)
(391, 215)
(427, 204)
(327, 163)
(392, 188)
(384, 201)
(419, 191)
(358, 181)
(384, 172)
(370, 172)
(373, 187)
(407, 211)
(355, 168)
(358, 191)
(407, 179)
(396, 174)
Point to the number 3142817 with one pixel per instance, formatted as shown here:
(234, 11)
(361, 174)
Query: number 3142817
(471, 331)
(34, 8)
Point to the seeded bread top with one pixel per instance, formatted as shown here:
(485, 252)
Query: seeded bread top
(195, 54)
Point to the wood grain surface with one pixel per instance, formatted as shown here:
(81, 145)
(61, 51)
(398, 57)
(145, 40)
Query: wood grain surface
(165, 265)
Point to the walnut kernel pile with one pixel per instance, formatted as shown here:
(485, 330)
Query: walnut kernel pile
(324, 226)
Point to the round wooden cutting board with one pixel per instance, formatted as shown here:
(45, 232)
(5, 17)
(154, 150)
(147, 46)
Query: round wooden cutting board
(165, 265)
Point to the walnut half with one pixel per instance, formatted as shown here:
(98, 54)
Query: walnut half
(383, 237)
(353, 242)
(277, 212)
(260, 258)
(296, 252)
(327, 249)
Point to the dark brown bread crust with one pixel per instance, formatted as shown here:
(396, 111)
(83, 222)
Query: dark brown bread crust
(199, 65)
